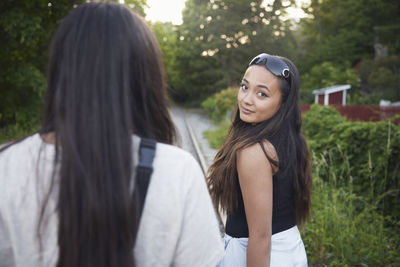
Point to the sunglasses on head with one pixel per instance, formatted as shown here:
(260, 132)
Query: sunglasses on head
(274, 64)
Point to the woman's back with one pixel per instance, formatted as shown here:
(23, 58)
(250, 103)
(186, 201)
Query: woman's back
(283, 213)
(178, 226)
(105, 85)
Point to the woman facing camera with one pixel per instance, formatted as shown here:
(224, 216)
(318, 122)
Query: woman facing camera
(100, 184)
(261, 175)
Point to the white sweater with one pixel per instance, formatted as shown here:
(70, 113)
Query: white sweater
(178, 225)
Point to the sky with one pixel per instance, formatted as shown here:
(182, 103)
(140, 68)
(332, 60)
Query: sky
(165, 10)
(171, 10)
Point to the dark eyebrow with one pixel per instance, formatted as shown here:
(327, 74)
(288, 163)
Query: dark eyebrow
(259, 85)
(263, 86)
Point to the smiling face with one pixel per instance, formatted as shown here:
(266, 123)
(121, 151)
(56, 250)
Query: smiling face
(259, 96)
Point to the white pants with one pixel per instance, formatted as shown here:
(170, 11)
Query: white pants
(287, 250)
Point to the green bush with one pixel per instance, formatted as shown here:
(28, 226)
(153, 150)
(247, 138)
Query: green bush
(372, 150)
(219, 104)
(361, 98)
(217, 137)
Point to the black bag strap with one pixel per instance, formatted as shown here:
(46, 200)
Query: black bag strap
(147, 151)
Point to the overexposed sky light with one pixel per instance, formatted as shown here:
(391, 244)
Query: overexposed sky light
(171, 10)
(297, 13)
(165, 10)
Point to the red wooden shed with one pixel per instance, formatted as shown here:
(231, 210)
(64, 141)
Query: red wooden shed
(334, 95)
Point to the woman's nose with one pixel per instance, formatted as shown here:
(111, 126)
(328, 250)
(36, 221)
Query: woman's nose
(248, 99)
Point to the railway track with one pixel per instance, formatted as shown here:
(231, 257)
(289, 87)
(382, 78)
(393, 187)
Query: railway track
(197, 149)
(199, 154)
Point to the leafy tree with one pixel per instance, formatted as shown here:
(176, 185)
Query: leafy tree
(26, 28)
(218, 38)
(196, 74)
(381, 77)
(166, 35)
(344, 30)
(136, 5)
(325, 75)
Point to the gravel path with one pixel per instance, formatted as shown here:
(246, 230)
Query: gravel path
(184, 142)
(199, 122)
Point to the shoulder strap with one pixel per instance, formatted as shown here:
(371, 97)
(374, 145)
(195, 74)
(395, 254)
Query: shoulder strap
(144, 170)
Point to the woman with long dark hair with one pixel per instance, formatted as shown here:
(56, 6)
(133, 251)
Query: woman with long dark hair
(261, 175)
(69, 194)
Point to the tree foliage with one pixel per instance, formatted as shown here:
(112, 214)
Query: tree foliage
(136, 5)
(211, 49)
(167, 37)
(345, 30)
(381, 77)
(26, 28)
(325, 75)
(218, 38)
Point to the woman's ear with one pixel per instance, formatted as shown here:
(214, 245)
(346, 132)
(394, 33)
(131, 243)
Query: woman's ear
(282, 101)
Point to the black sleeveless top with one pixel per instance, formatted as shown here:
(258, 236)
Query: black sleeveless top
(283, 207)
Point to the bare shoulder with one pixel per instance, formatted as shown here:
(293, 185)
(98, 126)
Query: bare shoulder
(254, 156)
(255, 174)
(251, 153)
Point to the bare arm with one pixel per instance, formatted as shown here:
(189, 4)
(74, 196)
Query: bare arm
(255, 177)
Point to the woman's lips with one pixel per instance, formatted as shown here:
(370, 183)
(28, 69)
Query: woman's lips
(246, 111)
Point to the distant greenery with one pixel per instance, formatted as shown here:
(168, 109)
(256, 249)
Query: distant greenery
(381, 77)
(324, 75)
(341, 31)
(217, 137)
(220, 104)
(362, 98)
(210, 51)
(217, 40)
(26, 28)
(167, 37)
(356, 192)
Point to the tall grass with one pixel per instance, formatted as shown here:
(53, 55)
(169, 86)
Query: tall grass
(346, 229)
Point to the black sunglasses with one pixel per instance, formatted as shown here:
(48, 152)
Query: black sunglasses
(274, 64)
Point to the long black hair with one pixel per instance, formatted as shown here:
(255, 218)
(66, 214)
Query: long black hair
(222, 173)
(105, 83)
